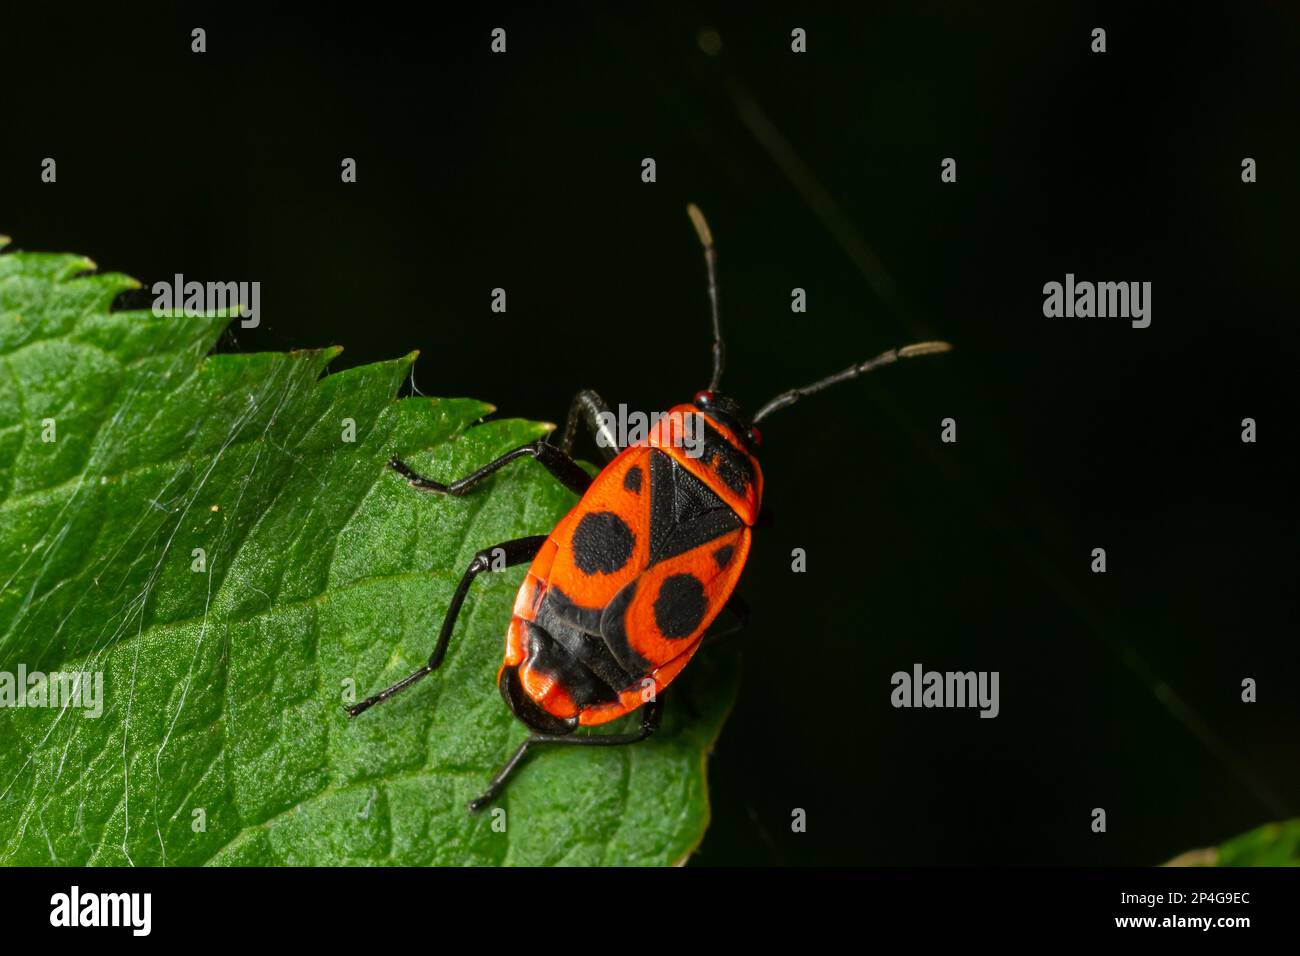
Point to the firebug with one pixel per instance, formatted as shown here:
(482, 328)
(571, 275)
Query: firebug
(619, 595)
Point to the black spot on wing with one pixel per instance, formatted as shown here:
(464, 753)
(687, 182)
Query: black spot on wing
(602, 543)
(684, 511)
(680, 606)
(632, 480)
(724, 555)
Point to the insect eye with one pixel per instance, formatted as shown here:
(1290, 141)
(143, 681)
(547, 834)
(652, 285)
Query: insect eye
(755, 437)
(703, 398)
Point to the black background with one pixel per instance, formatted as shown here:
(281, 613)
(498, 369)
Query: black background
(475, 171)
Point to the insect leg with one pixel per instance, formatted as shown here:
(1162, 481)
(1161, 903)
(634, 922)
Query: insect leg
(588, 407)
(650, 718)
(514, 552)
(557, 462)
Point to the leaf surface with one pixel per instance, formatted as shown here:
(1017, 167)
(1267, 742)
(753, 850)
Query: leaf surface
(222, 737)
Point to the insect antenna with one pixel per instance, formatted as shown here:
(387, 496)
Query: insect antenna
(853, 371)
(711, 262)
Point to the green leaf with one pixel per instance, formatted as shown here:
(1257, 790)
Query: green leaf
(222, 737)
(1274, 844)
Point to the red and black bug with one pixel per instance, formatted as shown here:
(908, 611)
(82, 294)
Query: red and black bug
(619, 595)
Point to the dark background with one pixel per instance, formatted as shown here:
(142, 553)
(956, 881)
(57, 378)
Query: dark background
(818, 170)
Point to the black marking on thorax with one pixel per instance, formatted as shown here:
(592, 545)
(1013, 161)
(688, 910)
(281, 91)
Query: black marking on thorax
(732, 465)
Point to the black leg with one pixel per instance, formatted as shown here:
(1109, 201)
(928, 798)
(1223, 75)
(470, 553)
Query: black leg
(587, 407)
(552, 458)
(514, 552)
(650, 717)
